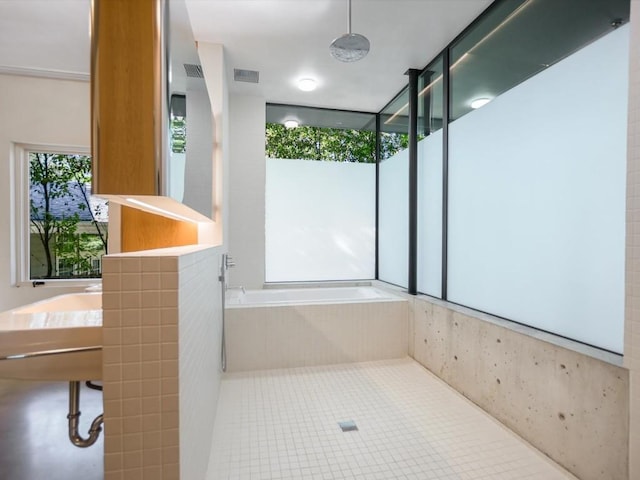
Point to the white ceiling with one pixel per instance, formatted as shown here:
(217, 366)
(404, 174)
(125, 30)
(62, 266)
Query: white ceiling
(283, 39)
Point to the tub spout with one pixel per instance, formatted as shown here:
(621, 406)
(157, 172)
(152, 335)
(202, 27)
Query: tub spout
(74, 420)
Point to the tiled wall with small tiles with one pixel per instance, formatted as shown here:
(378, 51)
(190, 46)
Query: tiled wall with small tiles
(632, 308)
(151, 328)
(303, 335)
(200, 307)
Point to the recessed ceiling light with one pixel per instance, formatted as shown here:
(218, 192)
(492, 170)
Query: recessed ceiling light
(291, 124)
(307, 84)
(480, 102)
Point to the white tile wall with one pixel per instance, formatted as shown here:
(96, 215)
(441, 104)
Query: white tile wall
(302, 335)
(151, 328)
(200, 309)
(632, 309)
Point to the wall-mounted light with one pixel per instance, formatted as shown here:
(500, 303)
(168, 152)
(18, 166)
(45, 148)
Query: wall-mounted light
(291, 124)
(479, 102)
(307, 84)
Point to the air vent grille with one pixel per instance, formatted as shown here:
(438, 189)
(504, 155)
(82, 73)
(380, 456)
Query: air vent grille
(193, 71)
(250, 76)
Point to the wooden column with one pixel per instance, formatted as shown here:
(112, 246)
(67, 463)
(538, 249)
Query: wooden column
(127, 81)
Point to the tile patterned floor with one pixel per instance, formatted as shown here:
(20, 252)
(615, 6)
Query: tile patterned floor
(283, 424)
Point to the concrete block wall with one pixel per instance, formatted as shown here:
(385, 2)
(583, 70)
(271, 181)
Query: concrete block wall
(572, 406)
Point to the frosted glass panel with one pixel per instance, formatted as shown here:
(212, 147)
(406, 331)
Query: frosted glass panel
(430, 214)
(537, 198)
(320, 220)
(393, 219)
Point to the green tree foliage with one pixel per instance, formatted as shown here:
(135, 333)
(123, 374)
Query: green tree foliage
(178, 134)
(392, 143)
(324, 144)
(330, 144)
(55, 210)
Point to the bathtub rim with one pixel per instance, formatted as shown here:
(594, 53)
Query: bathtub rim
(387, 297)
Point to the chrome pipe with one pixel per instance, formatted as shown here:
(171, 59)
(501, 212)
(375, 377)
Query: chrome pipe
(45, 353)
(74, 419)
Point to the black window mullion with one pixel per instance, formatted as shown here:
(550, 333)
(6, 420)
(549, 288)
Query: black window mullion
(413, 182)
(446, 92)
(377, 221)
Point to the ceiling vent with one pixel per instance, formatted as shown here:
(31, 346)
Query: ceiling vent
(249, 76)
(193, 71)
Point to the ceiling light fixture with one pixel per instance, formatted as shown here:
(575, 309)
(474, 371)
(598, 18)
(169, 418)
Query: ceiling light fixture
(291, 124)
(480, 102)
(307, 84)
(350, 47)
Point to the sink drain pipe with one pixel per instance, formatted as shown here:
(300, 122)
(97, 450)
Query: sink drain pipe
(74, 420)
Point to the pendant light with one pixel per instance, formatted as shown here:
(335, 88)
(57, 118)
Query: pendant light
(349, 47)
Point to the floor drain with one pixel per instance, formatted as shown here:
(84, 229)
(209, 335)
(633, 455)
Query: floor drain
(348, 426)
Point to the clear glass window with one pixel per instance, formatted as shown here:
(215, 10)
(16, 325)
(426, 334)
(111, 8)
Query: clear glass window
(65, 227)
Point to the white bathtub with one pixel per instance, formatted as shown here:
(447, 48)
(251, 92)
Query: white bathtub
(289, 296)
(300, 327)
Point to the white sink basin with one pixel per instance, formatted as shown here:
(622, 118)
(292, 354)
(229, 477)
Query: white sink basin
(55, 339)
(72, 302)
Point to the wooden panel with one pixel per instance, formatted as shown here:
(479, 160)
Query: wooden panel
(145, 231)
(125, 79)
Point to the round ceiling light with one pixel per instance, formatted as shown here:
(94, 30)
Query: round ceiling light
(479, 102)
(291, 124)
(307, 84)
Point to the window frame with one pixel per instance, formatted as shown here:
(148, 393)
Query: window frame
(20, 216)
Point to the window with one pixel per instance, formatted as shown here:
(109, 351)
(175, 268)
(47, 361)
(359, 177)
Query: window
(320, 195)
(536, 181)
(60, 228)
(521, 170)
(393, 209)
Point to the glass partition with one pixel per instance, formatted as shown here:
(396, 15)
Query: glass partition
(320, 194)
(393, 194)
(430, 121)
(537, 175)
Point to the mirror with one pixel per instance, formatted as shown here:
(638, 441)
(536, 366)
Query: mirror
(189, 162)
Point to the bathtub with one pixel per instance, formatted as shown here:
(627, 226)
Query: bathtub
(300, 327)
(305, 296)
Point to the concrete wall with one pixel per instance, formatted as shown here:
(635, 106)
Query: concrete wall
(34, 111)
(571, 405)
(632, 308)
(246, 196)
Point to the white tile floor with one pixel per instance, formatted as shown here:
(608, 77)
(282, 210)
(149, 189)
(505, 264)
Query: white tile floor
(283, 424)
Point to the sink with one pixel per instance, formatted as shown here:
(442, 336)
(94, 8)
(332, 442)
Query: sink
(72, 302)
(59, 338)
